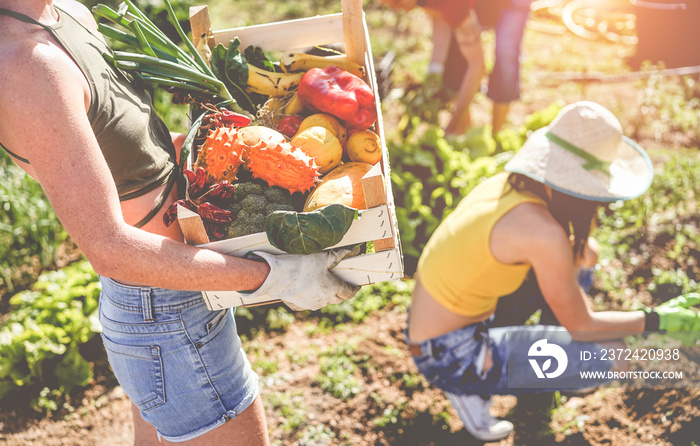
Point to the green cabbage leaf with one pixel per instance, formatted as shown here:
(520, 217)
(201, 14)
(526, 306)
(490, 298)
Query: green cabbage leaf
(309, 232)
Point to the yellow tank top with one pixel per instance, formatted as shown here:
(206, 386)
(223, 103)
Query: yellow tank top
(457, 267)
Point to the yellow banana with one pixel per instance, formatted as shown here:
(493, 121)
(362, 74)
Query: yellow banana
(295, 62)
(294, 107)
(271, 84)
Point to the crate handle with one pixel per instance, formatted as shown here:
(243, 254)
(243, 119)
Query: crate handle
(354, 30)
(661, 6)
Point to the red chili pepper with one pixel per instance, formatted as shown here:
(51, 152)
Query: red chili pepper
(214, 213)
(217, 231)
(200, 177)
(190, 175)
(289, 125)
(170, 215)
(342, 94)
(196, 181)
(222, 190)
(232, 118)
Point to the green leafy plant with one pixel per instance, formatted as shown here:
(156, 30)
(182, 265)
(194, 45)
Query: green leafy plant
(291, 408)
(392, 415)
(40, 339)
(30, 232)
(337, 375)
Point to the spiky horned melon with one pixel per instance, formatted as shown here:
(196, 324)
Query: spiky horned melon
(282, 165)
(220, 155)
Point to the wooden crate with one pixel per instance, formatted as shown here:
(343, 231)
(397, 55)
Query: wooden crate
(378, 222)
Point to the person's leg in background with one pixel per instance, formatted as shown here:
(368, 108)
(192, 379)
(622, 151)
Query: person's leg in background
(504, 81)
(468, 38)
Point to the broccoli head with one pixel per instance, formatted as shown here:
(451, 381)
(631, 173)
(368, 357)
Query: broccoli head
(245, 223)
(276, 194)
(242, 190)
(254, 204)
(251, 204)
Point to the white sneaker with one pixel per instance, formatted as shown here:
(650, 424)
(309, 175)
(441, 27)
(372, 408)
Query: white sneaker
(474, 413)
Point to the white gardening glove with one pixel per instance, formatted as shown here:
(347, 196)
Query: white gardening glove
(306, 282)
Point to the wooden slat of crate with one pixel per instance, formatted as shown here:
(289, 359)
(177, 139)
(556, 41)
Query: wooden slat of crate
(285, 36)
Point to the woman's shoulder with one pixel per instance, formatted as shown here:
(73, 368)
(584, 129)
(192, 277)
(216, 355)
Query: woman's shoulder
(532, 227)
(79, 12)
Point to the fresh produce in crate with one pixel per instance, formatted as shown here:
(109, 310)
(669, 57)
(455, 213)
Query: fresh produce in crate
(286, 134)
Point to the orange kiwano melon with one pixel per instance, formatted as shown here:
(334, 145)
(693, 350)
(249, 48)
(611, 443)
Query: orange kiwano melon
(342, 185)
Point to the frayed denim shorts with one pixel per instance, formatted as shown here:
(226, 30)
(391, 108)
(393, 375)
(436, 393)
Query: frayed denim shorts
(454, 361)
(181, 364)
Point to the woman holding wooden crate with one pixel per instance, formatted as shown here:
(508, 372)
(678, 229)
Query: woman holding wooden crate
(471, 298)
(107, 163)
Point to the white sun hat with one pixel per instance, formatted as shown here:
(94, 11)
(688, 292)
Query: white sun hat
(583, 153)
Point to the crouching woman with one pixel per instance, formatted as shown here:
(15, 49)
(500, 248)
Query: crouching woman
(518, 243)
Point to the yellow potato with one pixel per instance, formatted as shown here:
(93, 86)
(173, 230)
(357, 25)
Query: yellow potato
(328, 121)
(320, 143)
(364, 146)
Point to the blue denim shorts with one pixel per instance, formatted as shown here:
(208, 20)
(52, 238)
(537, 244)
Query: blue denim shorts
(504, 80)
(181, 364)
(453, 362)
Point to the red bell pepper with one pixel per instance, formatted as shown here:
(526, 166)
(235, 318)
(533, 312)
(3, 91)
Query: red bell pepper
(337, 92)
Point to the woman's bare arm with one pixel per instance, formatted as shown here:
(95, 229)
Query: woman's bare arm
(43, 105)
(536, 238)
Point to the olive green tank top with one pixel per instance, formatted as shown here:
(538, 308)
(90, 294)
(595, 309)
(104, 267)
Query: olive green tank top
(134, 141)
(457, 266)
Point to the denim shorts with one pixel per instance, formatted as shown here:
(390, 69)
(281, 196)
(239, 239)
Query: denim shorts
(504, 80)
(454, 361)
(181, 364)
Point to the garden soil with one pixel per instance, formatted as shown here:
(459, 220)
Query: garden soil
(102, 414)
(390, 406)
